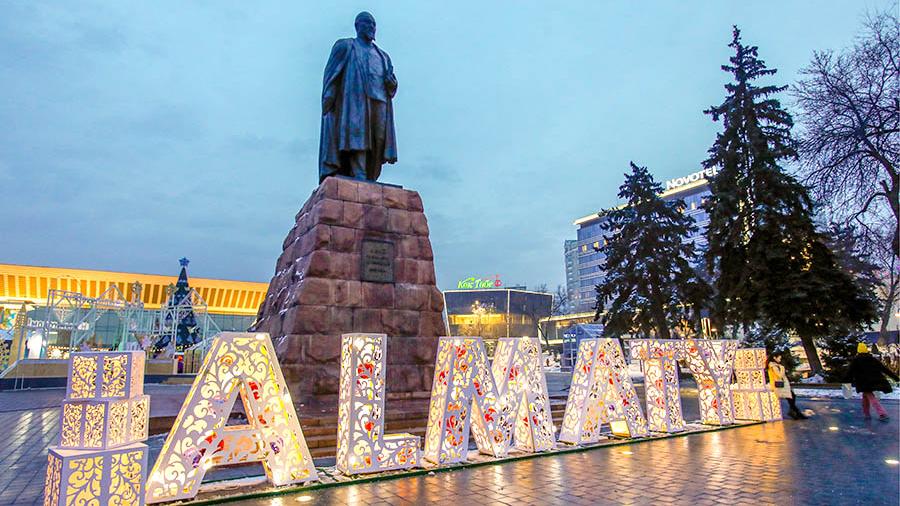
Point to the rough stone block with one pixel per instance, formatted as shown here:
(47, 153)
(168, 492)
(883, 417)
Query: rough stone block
(320, 264)
(409, 296)
(403, 378)
(414, 202)
(431, 324)
(340, 319)
(425, 270)
(407, 322)
(370, 193)
(348, 190)
(375, 218)
(378, 295)
(315, 291)
(348, 293)
(343, 239)
(328, 189)
(436, 299)
(353, 215)
(425, 251)
(306, 320)
(323, 348)
(389, 322)
(395, 198)
(327, 211)
(409, 247)
(366, 320)
(418, 223)
(398, 221)
(406, 271)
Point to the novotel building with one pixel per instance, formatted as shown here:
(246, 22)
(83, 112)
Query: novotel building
(692, 189)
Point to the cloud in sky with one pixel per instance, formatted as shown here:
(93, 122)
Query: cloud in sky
(135, 134)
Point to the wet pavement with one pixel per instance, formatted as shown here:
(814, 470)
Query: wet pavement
(833, 458)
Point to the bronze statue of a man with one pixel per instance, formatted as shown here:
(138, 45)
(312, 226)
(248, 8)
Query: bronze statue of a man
(357, 114)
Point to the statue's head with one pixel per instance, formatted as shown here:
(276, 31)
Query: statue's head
(365, 26)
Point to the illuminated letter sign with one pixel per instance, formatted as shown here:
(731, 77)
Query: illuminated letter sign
(660, 382)
(238, 363)
(100, 459)
(711, 363)
(361, 447)
(464, 392)
(690, 178)
(751, 395)
(601, 392)
(473, 283)
(519, 374)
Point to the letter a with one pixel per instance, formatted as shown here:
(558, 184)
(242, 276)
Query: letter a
(711, 363)
(520, 379)
(361, 445)
(660, 382)
(601, 392)
(464, 392)
(238, 363)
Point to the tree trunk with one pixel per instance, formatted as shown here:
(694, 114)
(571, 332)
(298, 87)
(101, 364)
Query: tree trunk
(887, 310)
(809, 347)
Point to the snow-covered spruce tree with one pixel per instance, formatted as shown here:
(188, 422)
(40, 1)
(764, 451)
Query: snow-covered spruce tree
(770, 263)
(649, 286)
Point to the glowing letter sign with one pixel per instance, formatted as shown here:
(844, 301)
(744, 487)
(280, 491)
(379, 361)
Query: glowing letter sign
(752, 398)
(690, 178)
(711, 363)
(464, 392)
(660, 382)
(361, 445)
(238, 363)
(601, 392)
(100, 459)
(520, 378)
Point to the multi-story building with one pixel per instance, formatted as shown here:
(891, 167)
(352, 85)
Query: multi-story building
(692, 189)
(571, 251)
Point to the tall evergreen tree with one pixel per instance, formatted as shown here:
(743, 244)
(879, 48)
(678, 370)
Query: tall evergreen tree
(650, 286)
(770, 263)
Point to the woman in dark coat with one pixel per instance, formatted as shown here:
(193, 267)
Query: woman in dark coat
(866, 373)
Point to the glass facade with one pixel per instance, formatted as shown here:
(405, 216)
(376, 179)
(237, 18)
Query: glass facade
(592, 237)
(494, 313)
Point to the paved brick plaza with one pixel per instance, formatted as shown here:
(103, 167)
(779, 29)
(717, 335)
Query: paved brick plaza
(783, 463)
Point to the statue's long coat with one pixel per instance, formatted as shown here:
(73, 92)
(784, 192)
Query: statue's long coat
(347, 127)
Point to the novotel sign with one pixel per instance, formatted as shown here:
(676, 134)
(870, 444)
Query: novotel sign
(691, 178)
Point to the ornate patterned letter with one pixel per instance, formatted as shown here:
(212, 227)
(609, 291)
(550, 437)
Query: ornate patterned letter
(601, 392)
(464, 385)
(361, 445)
(660, 382)
(100, 459)
(752, 398)
(711, 363)
(519, 374)
(238, 363)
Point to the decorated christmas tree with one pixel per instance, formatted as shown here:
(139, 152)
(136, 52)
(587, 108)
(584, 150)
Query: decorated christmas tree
(180, 313)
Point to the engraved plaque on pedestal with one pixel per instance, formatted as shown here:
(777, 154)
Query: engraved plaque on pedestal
(377, 259)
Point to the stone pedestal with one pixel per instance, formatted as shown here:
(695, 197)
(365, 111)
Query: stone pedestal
(358, 259)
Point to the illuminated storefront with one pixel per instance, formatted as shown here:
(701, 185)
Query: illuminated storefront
(493, 313)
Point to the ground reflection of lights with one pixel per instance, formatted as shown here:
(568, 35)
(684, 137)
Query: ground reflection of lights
(833, 428)
(626, 452)
(891, 462)
(305, 498)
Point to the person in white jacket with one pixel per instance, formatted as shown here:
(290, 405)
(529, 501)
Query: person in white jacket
(781, 385)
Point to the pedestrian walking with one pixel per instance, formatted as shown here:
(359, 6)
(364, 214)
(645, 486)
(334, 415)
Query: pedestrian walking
(867, 375)
(781, 385)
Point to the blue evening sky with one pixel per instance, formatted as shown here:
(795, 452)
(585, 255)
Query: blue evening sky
(135, 133)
